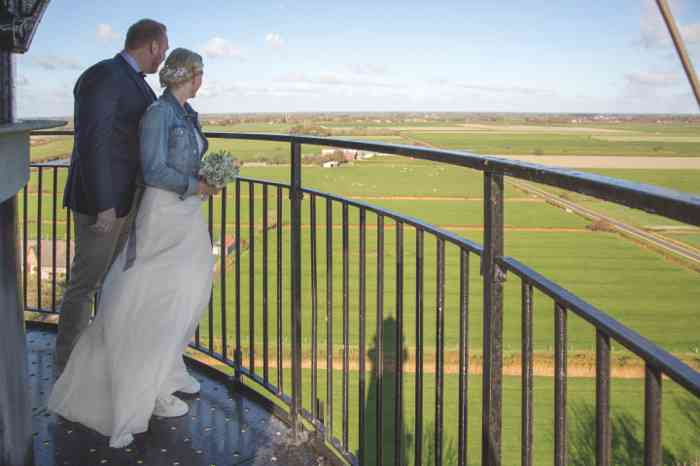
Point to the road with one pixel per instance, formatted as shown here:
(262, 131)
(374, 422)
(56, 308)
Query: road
(682, 250)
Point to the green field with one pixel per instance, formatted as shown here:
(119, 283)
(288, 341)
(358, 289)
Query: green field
(502, 137)
(549, 240)
(680, 427)
(554, 144)
(645, 291)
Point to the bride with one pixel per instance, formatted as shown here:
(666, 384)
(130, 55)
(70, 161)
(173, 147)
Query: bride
(127, 364)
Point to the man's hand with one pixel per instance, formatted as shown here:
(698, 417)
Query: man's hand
(105, 221)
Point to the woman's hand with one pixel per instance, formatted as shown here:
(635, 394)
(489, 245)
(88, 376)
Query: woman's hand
(205, 189)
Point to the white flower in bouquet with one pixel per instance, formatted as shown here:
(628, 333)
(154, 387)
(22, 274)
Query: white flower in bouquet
(218, 168)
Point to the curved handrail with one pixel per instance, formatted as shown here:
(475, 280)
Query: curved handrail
(671, 204)
(645, 349)
(668, 203)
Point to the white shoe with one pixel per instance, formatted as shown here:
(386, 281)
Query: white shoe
(170, 406)
(121, 441)
(192, 387)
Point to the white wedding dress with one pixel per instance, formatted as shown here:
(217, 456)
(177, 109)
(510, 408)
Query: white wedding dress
(132, 352)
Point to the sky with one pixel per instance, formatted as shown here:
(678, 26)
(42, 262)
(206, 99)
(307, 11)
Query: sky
(597, 56)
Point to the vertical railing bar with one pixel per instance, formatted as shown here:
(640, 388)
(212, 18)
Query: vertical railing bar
(346, 325)
(54, 195)
(398, 364)
(559, 385)
(280, 291)
(463, 354)
(296, 196)
(652, 416)
(210, 209)
(25, 236)
(266, 324)
(210, 221)
(68, 242)
(362, 316)
(251, 277)
(314, 309)
(419, 349)
(603, 431)
(380, 338)
(39, 209)
(493, 279)
(527, 375)
(210, 324)
(222, 257)
(238, 356)
(440, 347)
(329, 318)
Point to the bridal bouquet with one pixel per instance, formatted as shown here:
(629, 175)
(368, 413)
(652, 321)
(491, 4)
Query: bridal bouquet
(218, 168)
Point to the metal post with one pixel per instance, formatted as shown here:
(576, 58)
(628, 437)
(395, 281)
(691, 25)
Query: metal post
(603, 428)
(7, 87)
(653, 451)
(296, 195)
(493, 319)
(17, 25)
(15, 405)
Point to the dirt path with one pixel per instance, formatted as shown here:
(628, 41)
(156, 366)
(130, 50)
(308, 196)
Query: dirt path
(580, 365)
(594, 161)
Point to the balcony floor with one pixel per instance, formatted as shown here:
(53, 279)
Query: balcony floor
(222, 427)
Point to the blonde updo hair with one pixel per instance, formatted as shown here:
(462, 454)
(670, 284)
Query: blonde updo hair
(180, 66)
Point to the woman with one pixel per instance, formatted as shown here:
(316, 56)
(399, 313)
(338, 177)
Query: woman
(128, 363)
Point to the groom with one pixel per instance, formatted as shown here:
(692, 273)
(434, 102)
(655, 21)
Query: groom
(101, 190)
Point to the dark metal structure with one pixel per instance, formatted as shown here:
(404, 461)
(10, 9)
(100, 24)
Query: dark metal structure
(313, 412)
(18, 22)
(315, 417)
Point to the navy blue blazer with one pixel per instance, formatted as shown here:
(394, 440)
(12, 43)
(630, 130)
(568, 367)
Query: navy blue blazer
(110, 98)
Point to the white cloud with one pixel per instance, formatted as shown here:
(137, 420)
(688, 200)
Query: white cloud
(368, 69)
(650, 90)
(646, 78)
(504, 88)
(53, 62)
(332, 78)
(105, 33)
(691, 33)
(655, 33)
(218, 47)
(22, 81)
(274, 40)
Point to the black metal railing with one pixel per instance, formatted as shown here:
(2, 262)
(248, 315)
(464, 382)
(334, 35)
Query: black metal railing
(279, 288)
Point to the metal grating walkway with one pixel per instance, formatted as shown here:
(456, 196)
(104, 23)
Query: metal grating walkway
(223, 428)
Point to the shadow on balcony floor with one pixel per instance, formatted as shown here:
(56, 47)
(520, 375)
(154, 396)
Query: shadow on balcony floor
(222, 428)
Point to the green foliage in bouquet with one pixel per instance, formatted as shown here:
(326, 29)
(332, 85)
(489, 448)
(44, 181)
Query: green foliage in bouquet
(218, 168)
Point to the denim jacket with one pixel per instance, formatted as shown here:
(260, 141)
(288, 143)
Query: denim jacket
(170, 156)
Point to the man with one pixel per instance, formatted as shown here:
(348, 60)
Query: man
(101, 190)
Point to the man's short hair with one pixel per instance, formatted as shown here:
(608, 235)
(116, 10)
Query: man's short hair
(144, 32)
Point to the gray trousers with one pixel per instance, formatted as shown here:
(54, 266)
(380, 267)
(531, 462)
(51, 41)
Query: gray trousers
(94, 254)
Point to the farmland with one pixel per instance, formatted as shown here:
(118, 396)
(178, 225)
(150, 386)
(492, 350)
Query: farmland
(645, 290)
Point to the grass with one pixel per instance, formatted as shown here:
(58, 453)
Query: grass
(57, 147)
(647, 293)
(687, 181)
(599, 267)
(680, 427)
(553, 144)
(692, 239)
